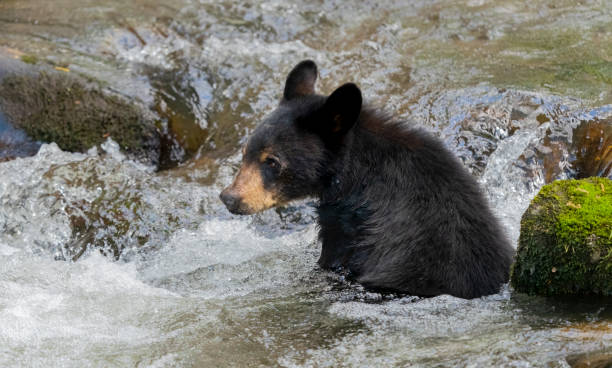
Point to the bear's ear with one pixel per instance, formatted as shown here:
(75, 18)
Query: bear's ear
(341, 111)
(301, 80)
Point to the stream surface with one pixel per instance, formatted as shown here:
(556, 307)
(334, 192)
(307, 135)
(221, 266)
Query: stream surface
(520, 91)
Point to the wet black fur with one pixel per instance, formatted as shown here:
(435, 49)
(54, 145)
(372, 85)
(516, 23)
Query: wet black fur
(397, 210)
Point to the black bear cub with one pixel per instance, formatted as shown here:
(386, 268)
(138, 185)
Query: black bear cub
(397, 211)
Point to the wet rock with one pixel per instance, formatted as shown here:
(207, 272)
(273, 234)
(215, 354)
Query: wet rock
(53, 106)
(583, 152)
(592, 147)
(565, 245)
(591, 360)
(182, 109)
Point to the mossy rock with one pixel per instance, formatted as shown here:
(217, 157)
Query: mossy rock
(565, 245)
(57, 107)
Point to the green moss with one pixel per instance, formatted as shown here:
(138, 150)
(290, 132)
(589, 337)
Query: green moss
(596, 71)
(565, 246)
(565, 62)
(29, 59)
(54, 107)
(537, 39)
(573, 62)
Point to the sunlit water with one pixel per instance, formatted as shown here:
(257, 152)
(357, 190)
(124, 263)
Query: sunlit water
(194, 286)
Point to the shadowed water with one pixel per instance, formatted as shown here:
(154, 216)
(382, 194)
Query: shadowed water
(519, 90)
(14, 143)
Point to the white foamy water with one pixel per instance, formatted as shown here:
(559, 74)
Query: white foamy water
(87, 312)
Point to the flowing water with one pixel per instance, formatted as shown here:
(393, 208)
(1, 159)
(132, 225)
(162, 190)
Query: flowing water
(521, 91)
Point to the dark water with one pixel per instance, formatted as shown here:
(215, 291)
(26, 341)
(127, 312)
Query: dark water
(519, 90)
(14, 143)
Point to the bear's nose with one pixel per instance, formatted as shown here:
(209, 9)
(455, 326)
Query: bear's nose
(231, 202)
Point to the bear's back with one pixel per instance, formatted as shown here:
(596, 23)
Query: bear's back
(403, 214)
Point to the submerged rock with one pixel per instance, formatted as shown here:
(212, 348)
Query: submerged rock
(56, 107)
(105, 205)
(565, 245)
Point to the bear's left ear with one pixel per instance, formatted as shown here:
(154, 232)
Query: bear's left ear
(341, 111)
(301, 80)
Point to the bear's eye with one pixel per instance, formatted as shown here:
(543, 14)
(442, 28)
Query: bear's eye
(272, 162)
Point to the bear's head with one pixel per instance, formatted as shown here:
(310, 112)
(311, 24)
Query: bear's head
(287, 155)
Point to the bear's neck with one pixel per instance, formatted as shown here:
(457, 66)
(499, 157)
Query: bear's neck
(368, 162)
(370, 147)
(366, 182)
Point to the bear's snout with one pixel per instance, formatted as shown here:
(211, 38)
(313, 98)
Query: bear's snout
(247, 194)
(232, 202)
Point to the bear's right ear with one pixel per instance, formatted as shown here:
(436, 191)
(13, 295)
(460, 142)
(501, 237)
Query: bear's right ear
(301, 80)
